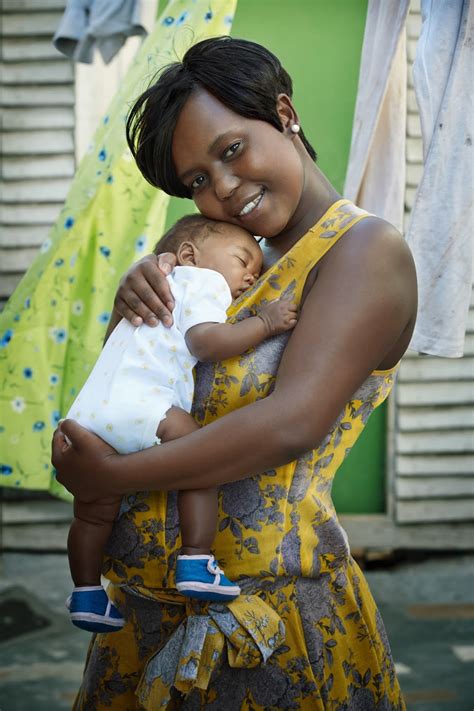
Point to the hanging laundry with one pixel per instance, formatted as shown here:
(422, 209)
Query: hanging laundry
(440, 232)
(104, 24)
(52, 328)
(375, 178)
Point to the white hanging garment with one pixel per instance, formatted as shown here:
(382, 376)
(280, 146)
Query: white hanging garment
(440, 232)
(375, 177)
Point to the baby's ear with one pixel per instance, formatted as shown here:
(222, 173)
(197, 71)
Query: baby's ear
(186, 254)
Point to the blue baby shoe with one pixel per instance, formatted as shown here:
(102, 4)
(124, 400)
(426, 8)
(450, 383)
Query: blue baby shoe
(199, 577)
(91, 610)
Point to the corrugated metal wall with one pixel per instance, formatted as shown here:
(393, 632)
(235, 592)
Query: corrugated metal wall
(434, 440)
(37, 132)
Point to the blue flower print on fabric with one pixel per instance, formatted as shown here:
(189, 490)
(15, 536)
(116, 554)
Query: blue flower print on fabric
(55, 417)
(6, 469)
(168, 21)
(208, 16)
(102, 154)
(140, 244)
(6, 338)
(181, 18)
(68, 222)
(105, 251)
(58, 334)
(27, 373)
(39, 425)
(104, 317)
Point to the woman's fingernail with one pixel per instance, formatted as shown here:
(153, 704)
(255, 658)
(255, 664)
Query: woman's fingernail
(167, 321)
(166, 268)
(153, 321)
(137, 320)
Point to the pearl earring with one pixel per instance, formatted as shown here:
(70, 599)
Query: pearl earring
(295, 128)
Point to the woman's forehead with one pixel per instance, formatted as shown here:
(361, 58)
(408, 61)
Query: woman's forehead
(203, 122)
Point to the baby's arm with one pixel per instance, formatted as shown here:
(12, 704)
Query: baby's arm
(218, 341)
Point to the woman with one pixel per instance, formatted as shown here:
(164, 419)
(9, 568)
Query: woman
(221, 127)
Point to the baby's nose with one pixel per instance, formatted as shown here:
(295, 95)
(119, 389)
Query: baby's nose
(250, 279)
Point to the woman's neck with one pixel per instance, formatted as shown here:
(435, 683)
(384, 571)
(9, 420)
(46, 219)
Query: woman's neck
(317, 197)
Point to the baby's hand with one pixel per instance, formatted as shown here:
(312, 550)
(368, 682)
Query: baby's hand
(279, 316)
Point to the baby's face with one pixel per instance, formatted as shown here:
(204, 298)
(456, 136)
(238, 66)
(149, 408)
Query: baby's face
(233, 253)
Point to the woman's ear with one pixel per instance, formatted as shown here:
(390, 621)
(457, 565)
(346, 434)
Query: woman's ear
(286, 112)
(187, 254)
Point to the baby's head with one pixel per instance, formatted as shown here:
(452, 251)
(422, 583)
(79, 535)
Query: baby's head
(226, 248)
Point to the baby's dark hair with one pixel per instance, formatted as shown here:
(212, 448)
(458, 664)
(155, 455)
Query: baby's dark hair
(242, 75)
(193, 228)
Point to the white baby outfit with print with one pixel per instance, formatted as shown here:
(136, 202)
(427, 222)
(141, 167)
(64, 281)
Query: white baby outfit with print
(143, 371)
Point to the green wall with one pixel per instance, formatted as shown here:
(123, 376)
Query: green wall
(319, 43)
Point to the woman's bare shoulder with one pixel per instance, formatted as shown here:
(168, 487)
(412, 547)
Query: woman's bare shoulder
(373, 246)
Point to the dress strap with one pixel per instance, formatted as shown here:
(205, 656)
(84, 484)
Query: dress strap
(311, 248)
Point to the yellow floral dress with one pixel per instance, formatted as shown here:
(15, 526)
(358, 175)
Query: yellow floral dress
(305, 633)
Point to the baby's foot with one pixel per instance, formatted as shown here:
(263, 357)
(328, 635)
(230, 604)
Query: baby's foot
(91, 610)
(199, 576)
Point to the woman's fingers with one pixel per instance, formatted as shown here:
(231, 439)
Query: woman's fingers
(166, 263)
(128, 314)
(131, 305)
(144, 294)
(75, 433)
(59, 444)
(79, 457)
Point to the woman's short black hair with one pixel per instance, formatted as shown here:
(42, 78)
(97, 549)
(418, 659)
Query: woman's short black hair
(242, 75)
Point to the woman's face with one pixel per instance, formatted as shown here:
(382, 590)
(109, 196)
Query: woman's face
(239, 170)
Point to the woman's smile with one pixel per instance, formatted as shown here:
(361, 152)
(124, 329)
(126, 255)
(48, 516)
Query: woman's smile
(251, 205)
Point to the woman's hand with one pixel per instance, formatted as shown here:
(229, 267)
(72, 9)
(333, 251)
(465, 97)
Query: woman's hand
(144, 294)
(84, 462)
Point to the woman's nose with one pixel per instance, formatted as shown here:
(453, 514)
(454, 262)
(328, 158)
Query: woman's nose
(225, 184)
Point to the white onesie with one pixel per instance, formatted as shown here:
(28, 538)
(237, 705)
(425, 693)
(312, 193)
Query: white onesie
(142, 371)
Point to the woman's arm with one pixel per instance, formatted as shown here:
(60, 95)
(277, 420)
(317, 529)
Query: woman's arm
(144, 295)
(360, 309)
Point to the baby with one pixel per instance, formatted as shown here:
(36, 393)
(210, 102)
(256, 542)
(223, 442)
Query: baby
(140, 393)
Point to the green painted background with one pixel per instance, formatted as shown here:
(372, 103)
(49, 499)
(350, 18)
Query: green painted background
(319, 43)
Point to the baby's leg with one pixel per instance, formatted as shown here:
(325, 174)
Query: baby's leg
(89, 607)
(88, 536)
(197, 574)
(197, 507)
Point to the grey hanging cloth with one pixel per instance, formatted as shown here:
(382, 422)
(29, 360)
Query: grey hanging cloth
(440, 232)
(104, 24)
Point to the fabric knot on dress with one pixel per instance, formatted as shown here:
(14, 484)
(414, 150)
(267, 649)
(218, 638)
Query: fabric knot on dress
(246, 629)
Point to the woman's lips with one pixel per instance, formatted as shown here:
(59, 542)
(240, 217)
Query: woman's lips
(251, 206)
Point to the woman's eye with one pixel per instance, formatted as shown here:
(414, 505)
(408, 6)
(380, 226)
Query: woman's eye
(229, 152)
(197, 182)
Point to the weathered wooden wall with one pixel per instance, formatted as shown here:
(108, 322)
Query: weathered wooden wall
(37, 132)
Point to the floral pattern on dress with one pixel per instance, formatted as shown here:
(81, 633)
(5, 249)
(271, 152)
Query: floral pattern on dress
(278, 536)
